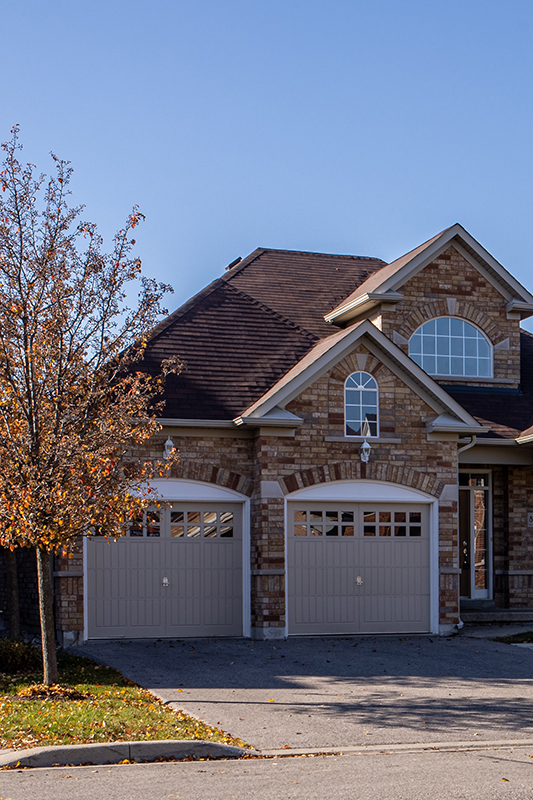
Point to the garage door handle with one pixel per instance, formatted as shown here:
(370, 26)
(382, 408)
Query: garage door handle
(165, 581)
(359, 580)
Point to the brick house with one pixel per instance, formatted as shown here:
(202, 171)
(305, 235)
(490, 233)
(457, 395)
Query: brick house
(356, 455)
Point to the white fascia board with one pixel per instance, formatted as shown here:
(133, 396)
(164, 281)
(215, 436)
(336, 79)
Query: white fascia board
(195, 423)
(495, 266)
(498, 442)
(496, 274)
(445, 423)
(361, 304)
(302, 380)
(388, 353)
(278, 417)
(525, 309)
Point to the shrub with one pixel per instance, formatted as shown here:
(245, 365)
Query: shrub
(19, 656)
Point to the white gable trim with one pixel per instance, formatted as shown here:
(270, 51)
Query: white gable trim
(290, 386)
(487, 266)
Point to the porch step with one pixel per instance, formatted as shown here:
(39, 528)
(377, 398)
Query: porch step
(498, 615)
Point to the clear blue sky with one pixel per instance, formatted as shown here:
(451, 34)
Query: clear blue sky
(341, 126)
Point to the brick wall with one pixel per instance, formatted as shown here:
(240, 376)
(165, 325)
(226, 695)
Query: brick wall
(241, 462)
(452, 278)
(310, 458)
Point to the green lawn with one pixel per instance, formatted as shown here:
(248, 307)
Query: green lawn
(92, 704)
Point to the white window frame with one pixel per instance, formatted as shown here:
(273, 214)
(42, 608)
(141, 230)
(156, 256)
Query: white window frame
(455, 375)
(376, 390)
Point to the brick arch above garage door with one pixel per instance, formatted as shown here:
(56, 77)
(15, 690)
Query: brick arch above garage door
(211, 474)
(354, 471)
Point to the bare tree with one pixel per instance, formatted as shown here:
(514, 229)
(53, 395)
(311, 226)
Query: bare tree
(74, 403)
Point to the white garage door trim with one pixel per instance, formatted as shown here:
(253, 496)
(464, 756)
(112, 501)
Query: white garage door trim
(374, 492)
(177, 490)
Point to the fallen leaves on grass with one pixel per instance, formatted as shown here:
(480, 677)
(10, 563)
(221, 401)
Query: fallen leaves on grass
(55, 692)
(91, 704)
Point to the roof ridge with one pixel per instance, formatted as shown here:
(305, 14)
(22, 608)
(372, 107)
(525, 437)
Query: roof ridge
(275, 314)
(318, 253)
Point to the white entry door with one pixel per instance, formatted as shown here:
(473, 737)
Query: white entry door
(177, 573)
(358, 568)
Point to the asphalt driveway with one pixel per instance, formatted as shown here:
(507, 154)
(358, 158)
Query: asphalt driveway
(333, 692)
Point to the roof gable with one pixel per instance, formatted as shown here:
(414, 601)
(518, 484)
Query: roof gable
(384, 285)
(327, 352)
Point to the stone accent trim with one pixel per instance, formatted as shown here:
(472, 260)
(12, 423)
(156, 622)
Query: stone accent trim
(440, 308)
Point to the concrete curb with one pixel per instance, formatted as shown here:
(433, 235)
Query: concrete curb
(115, 752)
(415, 747)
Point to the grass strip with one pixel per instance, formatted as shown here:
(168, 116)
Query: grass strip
(91, 704)
(517, 638)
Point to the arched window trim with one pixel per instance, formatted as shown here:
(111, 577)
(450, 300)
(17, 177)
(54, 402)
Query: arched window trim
(373, 389)
(463, 375)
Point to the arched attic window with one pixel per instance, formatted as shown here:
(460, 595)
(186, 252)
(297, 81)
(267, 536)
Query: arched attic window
(361, 405)
(451, 346)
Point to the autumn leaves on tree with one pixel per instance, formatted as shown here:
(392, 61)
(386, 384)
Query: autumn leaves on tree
(74, 401)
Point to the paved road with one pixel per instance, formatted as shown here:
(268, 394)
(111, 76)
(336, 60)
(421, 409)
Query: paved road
(439, 776)
(318, 692)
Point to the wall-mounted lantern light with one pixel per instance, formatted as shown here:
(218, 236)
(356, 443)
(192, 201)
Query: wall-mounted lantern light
(365, 451)
(169, 448)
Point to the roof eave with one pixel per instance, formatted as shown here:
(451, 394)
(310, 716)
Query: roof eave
(176, 422)
(268, 422)
(524, 309)
(433, 426)
(360, 305)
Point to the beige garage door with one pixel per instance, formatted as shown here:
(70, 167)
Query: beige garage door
(358, 568)
(177, 573)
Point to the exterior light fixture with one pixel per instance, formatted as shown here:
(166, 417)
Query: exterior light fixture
(365, 451)
(169, 448)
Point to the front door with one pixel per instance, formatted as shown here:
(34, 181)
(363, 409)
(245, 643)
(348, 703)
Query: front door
(474, 534)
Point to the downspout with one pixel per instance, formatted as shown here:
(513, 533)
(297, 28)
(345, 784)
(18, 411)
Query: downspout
(463, 449)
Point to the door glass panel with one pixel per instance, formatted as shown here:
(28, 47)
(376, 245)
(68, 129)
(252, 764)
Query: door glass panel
(464, 538)
(369, 523)
(177, 523)
(480, 539)
(152, 523)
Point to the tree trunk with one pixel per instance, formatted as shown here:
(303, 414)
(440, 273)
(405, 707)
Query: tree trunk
(46, 612)
(12, 593)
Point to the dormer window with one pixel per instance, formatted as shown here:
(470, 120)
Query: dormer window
(451, 346)
(361, 405)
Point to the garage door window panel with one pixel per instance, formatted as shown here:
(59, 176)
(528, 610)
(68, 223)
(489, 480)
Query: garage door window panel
(145, 524)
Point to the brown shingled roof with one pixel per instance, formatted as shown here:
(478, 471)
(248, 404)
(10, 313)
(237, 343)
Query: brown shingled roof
(380, 276)
(233, 348)
(507, 411)
(301, 286)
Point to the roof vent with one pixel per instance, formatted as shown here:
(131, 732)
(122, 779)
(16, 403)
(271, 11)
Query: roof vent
(233, 264)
